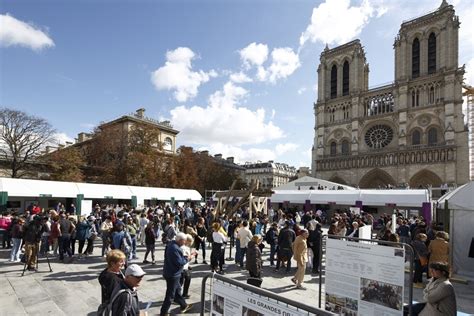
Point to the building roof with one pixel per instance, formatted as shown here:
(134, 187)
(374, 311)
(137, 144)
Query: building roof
(141, 118)
(304, 183)
(57, 189)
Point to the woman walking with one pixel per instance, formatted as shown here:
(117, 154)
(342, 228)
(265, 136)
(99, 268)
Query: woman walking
(218, 244)
(150, 240)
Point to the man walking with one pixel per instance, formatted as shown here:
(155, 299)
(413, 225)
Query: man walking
(301, 257)
(286, 237)
(244, 235)
(124, 298)
(172, 270)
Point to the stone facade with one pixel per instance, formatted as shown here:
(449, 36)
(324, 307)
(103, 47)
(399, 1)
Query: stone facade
(270, 174)
(410, 132)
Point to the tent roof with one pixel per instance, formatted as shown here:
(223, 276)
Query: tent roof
(461, 198)
(402, 198)
(57, 189)
(304, 183)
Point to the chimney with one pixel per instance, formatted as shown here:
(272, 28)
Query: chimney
(81, 137)
(218, 156)
(205, 152)
(140, 113)
(230, 159)
(68, 143)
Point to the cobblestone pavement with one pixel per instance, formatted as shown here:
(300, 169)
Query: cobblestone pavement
(73, 288)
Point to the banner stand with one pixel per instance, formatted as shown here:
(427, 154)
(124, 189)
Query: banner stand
(408, 252)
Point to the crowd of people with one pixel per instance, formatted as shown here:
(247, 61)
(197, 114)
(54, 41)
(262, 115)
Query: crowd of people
(188, 232)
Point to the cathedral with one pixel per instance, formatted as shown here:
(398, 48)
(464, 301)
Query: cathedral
(407, 133)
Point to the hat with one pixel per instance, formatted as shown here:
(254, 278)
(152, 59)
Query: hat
(134, 270)
(440, 266)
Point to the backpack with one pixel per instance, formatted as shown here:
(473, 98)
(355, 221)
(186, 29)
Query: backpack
(106, 309)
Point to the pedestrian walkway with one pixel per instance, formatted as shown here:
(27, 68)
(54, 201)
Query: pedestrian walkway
(73, 288)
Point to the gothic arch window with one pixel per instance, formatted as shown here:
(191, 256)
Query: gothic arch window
(345, 78)
(333, 148)
(432, 136)
(345, 147)
(416, 137)
(415, 98)
(431, 95)
(432, 53)
(415, 58)
(333, 82)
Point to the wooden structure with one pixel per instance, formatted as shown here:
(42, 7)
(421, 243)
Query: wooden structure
(254, 198)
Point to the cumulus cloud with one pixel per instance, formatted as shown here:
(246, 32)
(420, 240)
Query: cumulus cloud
(254, 54)
(240, 77)
(337, 22)
(177, 75)
(14, 32)
(224, 120)
(284, 63)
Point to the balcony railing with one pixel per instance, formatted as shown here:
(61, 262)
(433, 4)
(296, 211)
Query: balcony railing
(439, 153)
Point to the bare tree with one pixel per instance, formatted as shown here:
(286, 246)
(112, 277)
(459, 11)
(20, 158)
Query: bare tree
(23, 137)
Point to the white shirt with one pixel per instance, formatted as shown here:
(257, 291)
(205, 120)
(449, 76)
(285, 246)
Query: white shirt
(245, 235)
(187, 253)
(219, 237)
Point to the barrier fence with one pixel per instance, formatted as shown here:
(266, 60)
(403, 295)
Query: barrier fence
(252, 296)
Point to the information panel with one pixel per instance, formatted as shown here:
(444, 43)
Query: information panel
(364, 279)
(230, 300)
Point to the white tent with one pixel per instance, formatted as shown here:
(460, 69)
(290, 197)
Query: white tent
(400, 198)
(57, 189)
(306, 182)
(460, 203)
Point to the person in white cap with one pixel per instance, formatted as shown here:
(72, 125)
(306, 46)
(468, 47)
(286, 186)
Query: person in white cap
(124, 298)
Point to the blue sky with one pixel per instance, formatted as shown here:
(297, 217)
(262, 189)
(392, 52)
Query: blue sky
(235, 77)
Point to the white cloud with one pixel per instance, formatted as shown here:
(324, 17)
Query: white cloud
(14, 32)
(240, 77)
(301, 90)
(177, 75)
(284, 63)
(254, 54)
(62, 138)
(337, 22)
(285, 148)
(240, 154)
(224, 121)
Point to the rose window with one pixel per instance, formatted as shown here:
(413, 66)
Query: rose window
(378, 136)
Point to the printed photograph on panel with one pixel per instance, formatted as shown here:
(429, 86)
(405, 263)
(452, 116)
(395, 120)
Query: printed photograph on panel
(250, 312)
(381, 293)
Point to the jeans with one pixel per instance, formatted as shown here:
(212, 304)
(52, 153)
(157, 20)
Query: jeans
(31, 253)
(133, 253)
(273, 249)
(90, 246)
(15, 254)
(173, 293)
(237, 250)
(64, 246)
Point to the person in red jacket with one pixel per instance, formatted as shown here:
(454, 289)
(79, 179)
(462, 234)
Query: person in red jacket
(5, 229)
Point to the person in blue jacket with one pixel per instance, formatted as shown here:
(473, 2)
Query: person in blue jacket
(172, 269)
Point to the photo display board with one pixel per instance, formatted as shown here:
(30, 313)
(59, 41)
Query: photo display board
(230, 300)
(364, 279)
